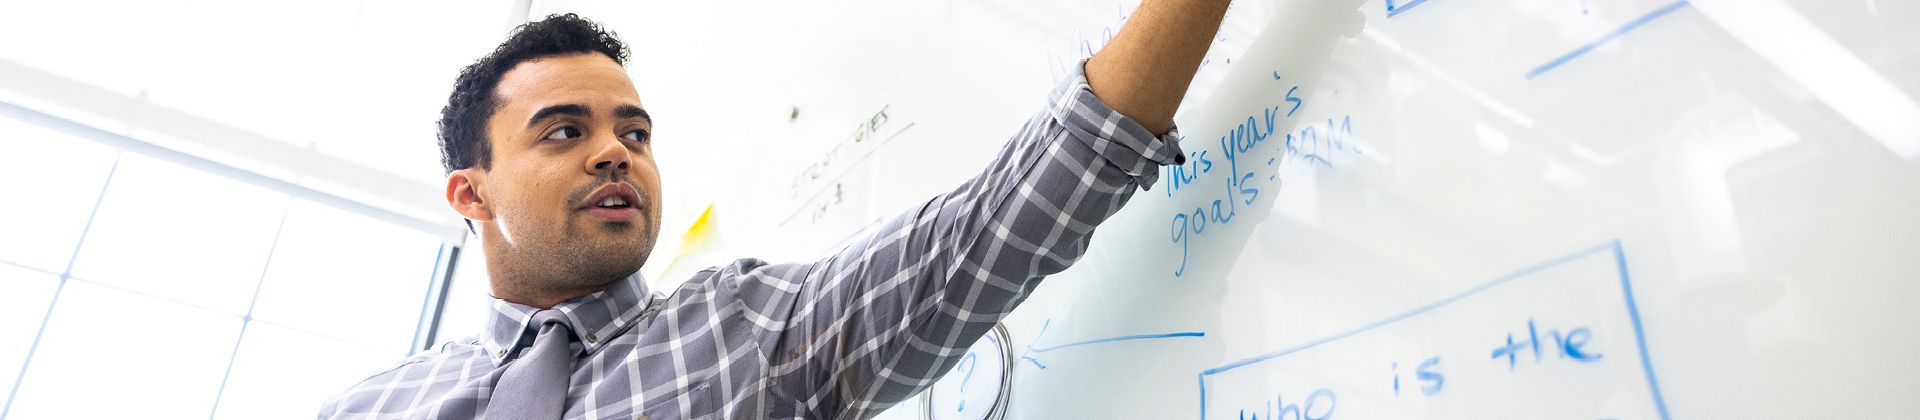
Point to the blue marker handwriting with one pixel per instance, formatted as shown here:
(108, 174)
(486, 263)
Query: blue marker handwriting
(1577, 52)
(1394, 10)
(1049, 323)
(1317, 143)
(1428, 373)
(1180, 175)
(968, 363)
(1569, 346)
(1240, 188)
(1534, 342)
(1317, 406)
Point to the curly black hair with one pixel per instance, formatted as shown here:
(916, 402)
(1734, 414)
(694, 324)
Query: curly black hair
(463, 123)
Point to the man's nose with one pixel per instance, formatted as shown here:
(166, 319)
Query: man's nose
(609, 155)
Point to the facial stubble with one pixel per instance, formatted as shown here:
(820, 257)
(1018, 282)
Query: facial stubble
(600, 258)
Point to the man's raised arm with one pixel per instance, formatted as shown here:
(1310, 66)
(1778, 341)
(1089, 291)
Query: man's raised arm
(1144, 71)
(880, 320)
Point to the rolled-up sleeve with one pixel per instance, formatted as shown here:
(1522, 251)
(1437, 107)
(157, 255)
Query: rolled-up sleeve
(880, 320)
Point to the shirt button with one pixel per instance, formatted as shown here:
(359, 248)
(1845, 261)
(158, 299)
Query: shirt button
(590, 339)
(502, 355)
(642, 418)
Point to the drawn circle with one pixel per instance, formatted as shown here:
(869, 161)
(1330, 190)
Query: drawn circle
(977, 387)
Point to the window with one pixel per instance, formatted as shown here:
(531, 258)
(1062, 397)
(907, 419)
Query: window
(22, 308)
(49, 183)
(173, 293)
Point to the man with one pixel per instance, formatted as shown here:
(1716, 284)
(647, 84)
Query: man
(548, 151)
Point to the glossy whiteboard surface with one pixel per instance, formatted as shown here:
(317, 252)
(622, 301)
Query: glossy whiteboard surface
(1424, 208)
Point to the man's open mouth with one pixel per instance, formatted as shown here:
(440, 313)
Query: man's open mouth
(613, 202)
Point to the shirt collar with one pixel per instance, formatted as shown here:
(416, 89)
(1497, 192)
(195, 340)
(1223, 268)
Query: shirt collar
(596, 318)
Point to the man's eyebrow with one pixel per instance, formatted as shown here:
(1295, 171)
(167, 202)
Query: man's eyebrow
(576, 110)
(630, 111)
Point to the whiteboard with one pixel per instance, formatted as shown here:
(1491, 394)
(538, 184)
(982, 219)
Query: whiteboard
(1414, 208)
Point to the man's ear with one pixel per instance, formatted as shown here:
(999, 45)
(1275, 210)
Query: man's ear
(464, 194)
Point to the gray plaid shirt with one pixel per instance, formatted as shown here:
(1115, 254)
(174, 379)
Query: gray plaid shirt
(843, 337)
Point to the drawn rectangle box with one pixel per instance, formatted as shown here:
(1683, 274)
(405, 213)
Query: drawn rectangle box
(1560, 339)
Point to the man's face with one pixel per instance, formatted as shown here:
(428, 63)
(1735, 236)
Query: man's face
(573, 187)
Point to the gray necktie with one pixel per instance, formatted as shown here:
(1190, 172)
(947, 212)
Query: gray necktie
(535, 385)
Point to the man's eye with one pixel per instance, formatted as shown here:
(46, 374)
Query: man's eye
(636, 135)
(564, 133)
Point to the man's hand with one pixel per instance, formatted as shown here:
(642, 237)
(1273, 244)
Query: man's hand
(1144, 71)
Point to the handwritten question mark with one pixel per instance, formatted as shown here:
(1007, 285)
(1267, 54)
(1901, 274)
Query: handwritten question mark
(968, 362)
